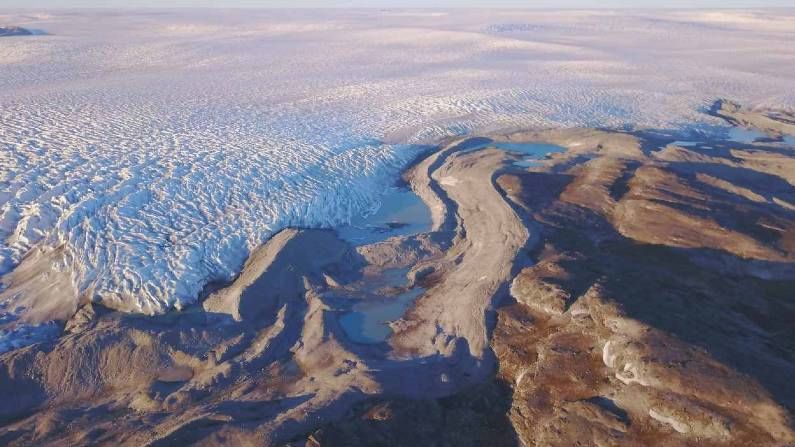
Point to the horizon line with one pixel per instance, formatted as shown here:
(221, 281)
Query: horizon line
(546, 8)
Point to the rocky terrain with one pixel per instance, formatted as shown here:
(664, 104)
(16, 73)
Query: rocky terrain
(632, 290)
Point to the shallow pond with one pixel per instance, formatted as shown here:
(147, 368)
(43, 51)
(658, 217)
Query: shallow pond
(368, 321)
(533, 152)
(745, 136)
(685, 143)
(400, 213)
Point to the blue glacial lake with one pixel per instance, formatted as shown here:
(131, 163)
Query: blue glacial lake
(532, 153)
(682, 143)
(745, 136)
(400, 213)
(368, 321)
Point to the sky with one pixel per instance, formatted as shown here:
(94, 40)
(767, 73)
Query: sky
(399, 3)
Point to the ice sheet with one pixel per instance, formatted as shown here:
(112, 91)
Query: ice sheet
(157, 148)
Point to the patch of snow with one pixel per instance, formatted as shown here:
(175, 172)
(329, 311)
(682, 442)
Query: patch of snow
(608, 358)
(448, 181)
(630, 375)
(680, 427)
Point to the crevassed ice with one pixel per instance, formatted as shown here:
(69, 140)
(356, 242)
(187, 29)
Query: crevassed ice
(159, 147)
(149, 219)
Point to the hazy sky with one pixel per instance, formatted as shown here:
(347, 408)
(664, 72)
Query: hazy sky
(402, 3)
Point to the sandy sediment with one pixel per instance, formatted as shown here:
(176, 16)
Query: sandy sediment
(487, 237)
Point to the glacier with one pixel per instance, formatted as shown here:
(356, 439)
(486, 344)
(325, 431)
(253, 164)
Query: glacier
(144, 154)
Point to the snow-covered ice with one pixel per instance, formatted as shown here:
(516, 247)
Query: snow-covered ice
(154, 149)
